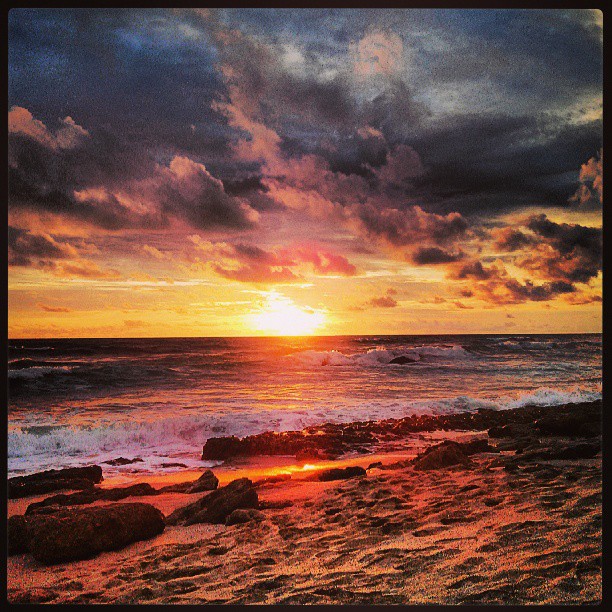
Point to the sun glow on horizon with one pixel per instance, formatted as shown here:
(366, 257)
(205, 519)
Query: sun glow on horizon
(280, 316)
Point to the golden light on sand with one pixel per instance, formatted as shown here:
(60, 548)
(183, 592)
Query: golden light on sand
(280, 316)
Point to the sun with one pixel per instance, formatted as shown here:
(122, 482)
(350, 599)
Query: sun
(280, 316)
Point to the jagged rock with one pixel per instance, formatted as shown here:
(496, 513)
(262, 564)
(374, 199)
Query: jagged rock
(56, 535)
(244, 515)
(206, 482)
(403, 360)
(54, 480)
(441, 455)
(565, 424)
(218, 505)
(93, 495)
(341, 473)
(123, 461)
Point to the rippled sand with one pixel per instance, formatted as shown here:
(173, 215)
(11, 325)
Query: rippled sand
(455, 535)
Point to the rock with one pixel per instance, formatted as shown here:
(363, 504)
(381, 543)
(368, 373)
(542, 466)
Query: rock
(93, 495)
(123, 461)
(18, 540)
(577, 450)
(59, 535)
(218, 505)
(481, 445)
(563, 424)
(591, 429)
(54, 480)
(403, 360)
(442, 455)
(206, 482)
(376, 464)
(244, 515)
(511, 430)
(172, 465)
(222, 448)
(341, 473)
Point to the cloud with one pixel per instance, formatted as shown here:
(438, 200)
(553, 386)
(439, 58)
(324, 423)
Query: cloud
(567, 252)
(384, 301)
(250, 263)
(590, 192)
(378, 52)
(58, 309)
(434, 255)
(68, 136)
(26, 247)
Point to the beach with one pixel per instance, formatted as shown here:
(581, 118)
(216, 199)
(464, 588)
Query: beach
(512, 515)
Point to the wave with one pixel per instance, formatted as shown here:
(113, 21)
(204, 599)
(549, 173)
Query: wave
(33, 372)
(381, 356)
(32, 448)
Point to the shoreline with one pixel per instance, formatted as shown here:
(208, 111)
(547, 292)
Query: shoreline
(508, 525)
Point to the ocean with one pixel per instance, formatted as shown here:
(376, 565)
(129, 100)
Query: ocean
(77, 402)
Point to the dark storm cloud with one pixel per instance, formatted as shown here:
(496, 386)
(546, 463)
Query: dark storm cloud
(434, 255)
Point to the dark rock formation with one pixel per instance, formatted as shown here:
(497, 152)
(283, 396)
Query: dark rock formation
(58, 535)
(341, 473)
(441, 455)
(54, 480)
(93, 495)
(206, 482)
(333, 439)
(218, 505)
(403, 360)
(123, 461)
(244, 515)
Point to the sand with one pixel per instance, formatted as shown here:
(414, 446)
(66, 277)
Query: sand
(481, 534)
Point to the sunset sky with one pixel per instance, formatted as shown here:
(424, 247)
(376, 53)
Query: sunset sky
(248, 172)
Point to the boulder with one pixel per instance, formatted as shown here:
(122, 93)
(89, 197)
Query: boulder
(123, 461)
(341, 473)
(440, 456)
(215, 507)
(403, 360)
(55, 535)
(576, 450)
(244, 515)
(565, 424)
(206, 482)
(88, 497)
(54, 480)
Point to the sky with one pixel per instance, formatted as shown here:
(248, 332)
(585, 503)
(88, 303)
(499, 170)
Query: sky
(246, 172)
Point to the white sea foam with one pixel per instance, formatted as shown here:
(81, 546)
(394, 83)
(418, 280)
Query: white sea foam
(180, 438)
(380, 356)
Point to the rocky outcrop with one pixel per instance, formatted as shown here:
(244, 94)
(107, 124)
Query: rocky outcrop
(341, 473)
(333, 439)
(54, 480)
(403, 360)
(206, 482)
(325, 442)
(123, 461)
(218, 505)
(440, 456)
(93, 495)
(57, 535)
